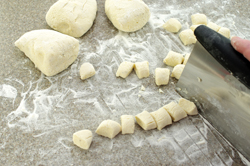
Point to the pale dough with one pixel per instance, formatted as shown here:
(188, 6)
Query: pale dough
(187, 37)
(188, 106)
(173, 58)
(162, 76)
(162, 118)
(172, 25)
(175, 111)
(199, 19)
(108, 128)
(145, 120)
(186, 59)
(83, 139)
(87, 70)
(127, 15)
(224, 31)
(50, 51)
(128, 124)
(213, 26)
(177, 71)
(125, 69)
(72, 17)
(142, 69)
(193, 27)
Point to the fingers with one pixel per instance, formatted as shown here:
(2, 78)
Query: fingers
(242, 46)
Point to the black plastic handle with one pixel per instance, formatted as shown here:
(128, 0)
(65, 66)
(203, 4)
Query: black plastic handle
(221, 49)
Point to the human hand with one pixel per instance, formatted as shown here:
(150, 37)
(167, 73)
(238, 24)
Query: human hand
(242, 46)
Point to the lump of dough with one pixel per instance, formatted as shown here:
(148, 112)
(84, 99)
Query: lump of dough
(72, 17)
(127, 15)
(172, 25)
(87, 70)
(187, 37)
(193, 27)
(199, 19)
(50, 51)
(177, 71)
(142, 69)
(213, 26)
(175, 111)
(188, 106)
(186, 59)
(173, 58)
(128, 124)
(83, 139)
(125, 69)
(162, 118)
(224, 31)
(108, 128)
(162, 76)
(145, 120)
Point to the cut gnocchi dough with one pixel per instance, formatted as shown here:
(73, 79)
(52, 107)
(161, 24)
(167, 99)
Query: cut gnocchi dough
(224, 31)
(72, 17)
(187, 37)
(172, 25)
(177, 71)
(188, 106)
(193, 27)
(108, 128)
(142, 69)
(186, 59)
(127, 15)
(162, 76)
(199, 19)
(128, 124)
(87, 70)
(173, 58)
(145, 120)
(125, 69)
(162, 118)
(50, 51)
(175, 111)
(83, 139)
(213, 26)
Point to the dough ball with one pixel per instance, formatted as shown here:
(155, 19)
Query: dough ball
(224, 31)
(187, 37)
(50, 51)
(173, 58)
(199, 19)
(87, 70)
(186, 59)
(142, 69)
(125, 69)
(172, 25)
(213, 26)
(128, 124)
(83, 139)
(162, 118)
(145, 120)
(193, 27)
(162, 76)
(127, 15)
(177, 71)
(72, 17)
(108, 128)
(175, 111)
(188, 106)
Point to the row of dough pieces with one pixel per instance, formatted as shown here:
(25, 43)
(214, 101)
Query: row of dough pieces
(187, 36)
(157, 119)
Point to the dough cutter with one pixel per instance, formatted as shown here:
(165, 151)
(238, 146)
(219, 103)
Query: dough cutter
(217, 79)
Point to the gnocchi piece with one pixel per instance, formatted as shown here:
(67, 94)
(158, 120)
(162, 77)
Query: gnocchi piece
(187, 37)
(128, 124)
(142, 69)
(173, 58)
(175, 111)
(87, 70)
(213, 26)
(162, 118)
(224, 31)
(193, 27)
(162, 76)
(125, 69)
(199, 19)
(145, 120)
(108, 128)
(177, 71)
(83, 139)
(188, 106)
(172, 25)
(186, 59)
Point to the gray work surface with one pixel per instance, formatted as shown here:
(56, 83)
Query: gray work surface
(39, 114)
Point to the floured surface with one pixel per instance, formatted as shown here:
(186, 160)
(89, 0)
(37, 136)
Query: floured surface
(39, 114)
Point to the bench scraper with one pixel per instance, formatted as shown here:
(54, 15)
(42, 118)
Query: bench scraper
(217, 79)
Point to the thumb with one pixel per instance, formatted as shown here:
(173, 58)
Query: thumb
(242, 46)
